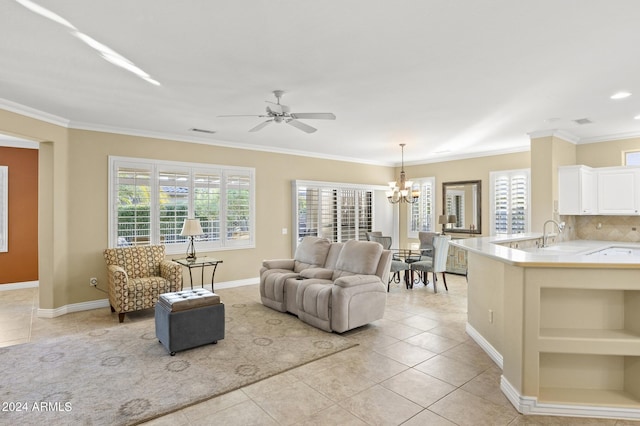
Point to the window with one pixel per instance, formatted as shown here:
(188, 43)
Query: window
(421, 214)
(510, 195)
(149, 201)
(339, 212)
(632, 158)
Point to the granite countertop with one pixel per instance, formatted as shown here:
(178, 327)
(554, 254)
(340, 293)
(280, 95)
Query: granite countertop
(567, 254)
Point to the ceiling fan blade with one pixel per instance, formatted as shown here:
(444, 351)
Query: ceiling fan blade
(241, 116)
(300, 125)
(313, 115)
(261, 126)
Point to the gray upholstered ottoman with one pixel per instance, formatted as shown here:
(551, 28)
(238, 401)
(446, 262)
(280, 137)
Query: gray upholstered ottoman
(190, 318)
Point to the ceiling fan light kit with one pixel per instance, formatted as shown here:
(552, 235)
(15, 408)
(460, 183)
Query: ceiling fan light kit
(278, 113)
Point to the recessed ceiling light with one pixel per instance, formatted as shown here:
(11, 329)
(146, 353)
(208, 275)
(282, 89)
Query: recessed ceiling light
(637, 117)
(620, 95)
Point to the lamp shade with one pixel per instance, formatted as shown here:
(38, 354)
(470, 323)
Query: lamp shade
(442, 219)
(452, 218)
(191, 227)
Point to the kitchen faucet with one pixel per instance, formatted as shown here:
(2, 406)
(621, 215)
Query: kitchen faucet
(545, 236)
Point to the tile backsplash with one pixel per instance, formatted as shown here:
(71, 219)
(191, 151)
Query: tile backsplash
(604, 228)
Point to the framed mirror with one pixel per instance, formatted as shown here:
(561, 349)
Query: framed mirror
(461, 203)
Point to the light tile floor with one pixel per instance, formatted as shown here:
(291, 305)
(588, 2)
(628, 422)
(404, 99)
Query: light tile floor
(417, 366)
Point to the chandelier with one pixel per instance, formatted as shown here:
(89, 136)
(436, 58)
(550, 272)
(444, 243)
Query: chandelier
(403, 192)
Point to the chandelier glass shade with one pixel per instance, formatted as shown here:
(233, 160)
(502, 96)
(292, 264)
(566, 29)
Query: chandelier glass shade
(402, 191)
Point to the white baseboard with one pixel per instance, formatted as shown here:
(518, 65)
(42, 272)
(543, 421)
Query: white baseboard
(18, 286)
(104, 303)
(530, 405)
(237, 283)
(74, 307)
(485, 345)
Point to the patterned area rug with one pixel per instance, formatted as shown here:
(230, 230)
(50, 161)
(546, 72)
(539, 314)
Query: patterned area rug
(123, 375)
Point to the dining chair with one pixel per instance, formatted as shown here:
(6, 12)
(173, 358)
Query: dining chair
(438, 263)
(397, 264)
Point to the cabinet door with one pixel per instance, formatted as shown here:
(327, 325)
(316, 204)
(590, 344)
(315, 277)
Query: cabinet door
(577, 190)
(618, 191)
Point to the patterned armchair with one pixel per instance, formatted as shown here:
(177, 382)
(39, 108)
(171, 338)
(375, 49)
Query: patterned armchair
(137, 277)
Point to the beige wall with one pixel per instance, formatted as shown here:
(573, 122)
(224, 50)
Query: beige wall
(605, 154)
(547, 154)
(73, 200)
(89, 152)
(73, 197)
(462, 170)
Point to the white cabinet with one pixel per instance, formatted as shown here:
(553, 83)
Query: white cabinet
(619, 191)
(577, 190)
(584, 190)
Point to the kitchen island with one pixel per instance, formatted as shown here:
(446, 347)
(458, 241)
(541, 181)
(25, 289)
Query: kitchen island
(563, 322)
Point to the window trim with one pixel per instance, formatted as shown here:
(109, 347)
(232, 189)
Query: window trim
(155, 166)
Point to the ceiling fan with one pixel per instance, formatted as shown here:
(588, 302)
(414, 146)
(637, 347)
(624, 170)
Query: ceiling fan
(277, 113)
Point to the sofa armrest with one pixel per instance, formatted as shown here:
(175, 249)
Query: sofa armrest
(321, 273)
(172, 272)
(279, 264)
(350, 281)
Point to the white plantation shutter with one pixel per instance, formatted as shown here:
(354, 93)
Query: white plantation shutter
(238, 189)
(501, 205)
(150, 199)
(519, 203)
(206, 193)
(421, 213)
(510, 194)
(132, 198)
(173, 197)
(339, 212)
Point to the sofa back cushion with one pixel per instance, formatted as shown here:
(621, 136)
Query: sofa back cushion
(138, 262)
(358, 257)
(332, 256)
(311, 252)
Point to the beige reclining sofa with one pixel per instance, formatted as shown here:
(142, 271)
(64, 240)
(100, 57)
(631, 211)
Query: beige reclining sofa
(332, 286)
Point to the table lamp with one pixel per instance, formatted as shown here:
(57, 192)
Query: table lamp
(191, 228)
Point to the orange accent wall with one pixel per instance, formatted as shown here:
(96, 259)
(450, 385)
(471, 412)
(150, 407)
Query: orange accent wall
(20, 263)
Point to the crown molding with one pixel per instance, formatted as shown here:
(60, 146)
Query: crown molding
(213, 141)
(613, 137)
(562, 134)
(512, 150)
(33, 113)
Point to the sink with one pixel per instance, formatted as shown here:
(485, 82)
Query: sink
(616, 251)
